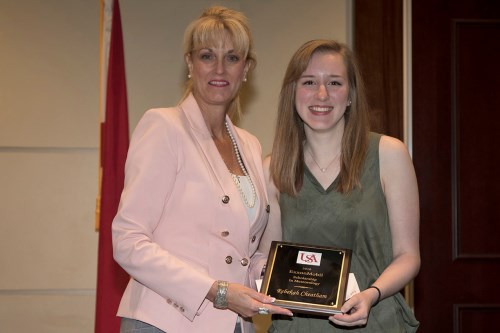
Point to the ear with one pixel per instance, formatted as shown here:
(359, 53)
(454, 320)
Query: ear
(247, 68)
(189, 62)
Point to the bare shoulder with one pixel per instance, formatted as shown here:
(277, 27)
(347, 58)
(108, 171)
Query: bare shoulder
(396, 166)
(391, 147)
(393, 154)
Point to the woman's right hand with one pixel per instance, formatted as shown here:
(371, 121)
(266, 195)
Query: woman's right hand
(246, 301)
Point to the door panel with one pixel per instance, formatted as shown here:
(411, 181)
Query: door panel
(456, 148)
(378, 43)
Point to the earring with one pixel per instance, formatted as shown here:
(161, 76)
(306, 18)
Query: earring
(189, 76)
(245, 79)
(349, 103)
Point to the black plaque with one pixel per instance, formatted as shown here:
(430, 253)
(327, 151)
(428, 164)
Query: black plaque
(307, 278)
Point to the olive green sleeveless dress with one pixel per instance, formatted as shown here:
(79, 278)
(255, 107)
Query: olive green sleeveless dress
(358, 221)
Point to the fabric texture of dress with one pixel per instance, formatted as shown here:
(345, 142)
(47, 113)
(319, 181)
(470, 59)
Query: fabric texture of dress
(358, 221)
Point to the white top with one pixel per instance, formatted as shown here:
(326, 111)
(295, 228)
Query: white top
(245, 188)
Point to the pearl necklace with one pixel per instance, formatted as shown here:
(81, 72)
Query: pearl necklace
(249, 204)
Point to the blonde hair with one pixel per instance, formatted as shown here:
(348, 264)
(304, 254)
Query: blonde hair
(287, 157)
(215, 26)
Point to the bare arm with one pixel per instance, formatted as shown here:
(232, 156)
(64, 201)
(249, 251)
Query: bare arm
(401, 192)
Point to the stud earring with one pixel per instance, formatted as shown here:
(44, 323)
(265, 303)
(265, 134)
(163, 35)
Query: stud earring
(245, 79)
(349, 103)
(189, 76)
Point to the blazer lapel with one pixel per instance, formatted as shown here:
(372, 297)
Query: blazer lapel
(201, 134)
(204, 139)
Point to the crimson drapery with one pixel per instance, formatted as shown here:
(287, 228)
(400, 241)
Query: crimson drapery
(114, 141)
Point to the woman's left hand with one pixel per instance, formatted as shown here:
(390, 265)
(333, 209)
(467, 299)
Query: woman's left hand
(355, 310)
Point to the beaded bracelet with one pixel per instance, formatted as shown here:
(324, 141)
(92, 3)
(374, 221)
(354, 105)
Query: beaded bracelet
(220, 301)
(379, 294)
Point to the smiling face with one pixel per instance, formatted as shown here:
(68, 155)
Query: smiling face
(216, 74)
(322, 92)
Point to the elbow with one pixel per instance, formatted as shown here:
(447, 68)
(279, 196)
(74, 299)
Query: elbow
(414, 265)
(116, 253)
(118, 245)
(418, 263)
(410, 263)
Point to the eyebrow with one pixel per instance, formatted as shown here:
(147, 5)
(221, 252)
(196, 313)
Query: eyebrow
(312, 76)
(212, 50)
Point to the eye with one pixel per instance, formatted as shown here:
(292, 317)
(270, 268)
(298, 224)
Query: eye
(233, 58)
(335, 83)
(308, 82)
(206, 56)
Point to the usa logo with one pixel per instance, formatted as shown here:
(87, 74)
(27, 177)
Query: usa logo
(309, 258)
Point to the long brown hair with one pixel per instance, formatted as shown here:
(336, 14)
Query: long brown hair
(287, 157)
(215, 25)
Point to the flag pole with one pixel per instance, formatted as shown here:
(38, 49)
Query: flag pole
(104, 38)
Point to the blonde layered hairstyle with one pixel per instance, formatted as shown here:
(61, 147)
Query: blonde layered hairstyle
(287, 157)
(214, 27)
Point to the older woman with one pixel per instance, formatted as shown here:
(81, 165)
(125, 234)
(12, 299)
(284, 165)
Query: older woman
(194, 205)
(338, 184)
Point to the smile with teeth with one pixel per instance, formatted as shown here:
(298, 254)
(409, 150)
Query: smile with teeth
(218, 83)
(321, 108)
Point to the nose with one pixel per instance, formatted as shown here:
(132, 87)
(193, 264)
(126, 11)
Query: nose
(219, 66)
(322, 92)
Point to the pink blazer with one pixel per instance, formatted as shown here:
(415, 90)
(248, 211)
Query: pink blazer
(181, 223)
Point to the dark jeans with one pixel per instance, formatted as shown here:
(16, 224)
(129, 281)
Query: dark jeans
(128, 325)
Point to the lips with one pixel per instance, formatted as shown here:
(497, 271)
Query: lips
(321, 108)
(218, 83)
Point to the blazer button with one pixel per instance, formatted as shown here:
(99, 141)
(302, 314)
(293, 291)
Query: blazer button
(225, 199)
(181, 309)
(253, 239)
(268, 208)
(225, 233)
(229, 259)
(169, 301)
(244, 262)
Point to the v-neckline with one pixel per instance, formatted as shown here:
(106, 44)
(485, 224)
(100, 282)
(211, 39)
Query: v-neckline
(317, 184)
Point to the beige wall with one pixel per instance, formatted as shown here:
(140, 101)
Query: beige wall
(49, 101)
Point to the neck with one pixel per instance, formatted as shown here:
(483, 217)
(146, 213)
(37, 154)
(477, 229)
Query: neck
(325, 141)
(324, 165)
(214, 116)
(323, 148)
(215, 119)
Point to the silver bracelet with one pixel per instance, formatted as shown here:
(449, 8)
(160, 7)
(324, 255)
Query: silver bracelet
(220, 301)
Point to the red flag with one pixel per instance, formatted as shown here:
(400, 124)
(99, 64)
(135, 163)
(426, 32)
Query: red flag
(111, 278)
